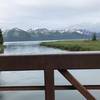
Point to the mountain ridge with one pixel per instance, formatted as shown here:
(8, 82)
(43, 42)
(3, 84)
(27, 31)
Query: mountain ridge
(16, 34)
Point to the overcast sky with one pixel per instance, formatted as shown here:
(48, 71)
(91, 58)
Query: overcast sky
(48, 13)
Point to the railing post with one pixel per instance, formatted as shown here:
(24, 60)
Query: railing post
(49, 84)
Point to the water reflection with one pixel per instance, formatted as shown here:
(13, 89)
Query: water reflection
(29, 48)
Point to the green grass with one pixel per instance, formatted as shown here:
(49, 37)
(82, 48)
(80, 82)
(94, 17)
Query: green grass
(85, 45)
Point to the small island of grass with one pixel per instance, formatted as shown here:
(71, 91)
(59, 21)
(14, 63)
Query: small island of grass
(77, 45)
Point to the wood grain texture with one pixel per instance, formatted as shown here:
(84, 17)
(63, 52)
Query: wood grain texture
(55, 61)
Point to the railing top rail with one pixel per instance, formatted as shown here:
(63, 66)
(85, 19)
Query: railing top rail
(67, 53)
(70, 60)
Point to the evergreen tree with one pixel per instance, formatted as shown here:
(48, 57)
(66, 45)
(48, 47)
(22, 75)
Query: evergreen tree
(1, 37)
(94, 38)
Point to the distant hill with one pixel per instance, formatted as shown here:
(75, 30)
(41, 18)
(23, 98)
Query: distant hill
(16, 34)
(45, 34)
(58, 36)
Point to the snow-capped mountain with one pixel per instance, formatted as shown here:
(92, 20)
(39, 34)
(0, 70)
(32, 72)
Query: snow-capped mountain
(16, 34)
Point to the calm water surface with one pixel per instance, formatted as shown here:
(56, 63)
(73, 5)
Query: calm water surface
(37, 77)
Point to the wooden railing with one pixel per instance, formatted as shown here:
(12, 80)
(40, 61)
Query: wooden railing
(49, 63)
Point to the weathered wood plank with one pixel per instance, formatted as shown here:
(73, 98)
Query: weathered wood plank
(77, 85)
(56, 61)
(57, 87)
(49, 84)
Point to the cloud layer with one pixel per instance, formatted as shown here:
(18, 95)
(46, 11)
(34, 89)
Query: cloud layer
(48, 13)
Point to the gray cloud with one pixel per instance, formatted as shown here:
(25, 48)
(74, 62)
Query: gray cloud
(48, 13)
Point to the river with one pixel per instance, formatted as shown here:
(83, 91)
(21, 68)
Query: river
(37, 77)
